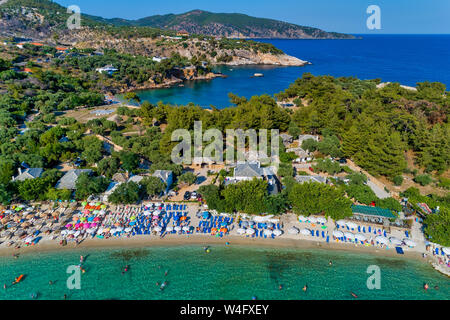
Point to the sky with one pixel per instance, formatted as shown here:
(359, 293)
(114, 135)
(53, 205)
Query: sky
(348, 16)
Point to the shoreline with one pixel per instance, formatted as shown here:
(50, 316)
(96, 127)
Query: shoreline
(47, 246)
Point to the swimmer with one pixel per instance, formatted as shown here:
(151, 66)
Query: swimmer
(165, 273)
(280, 287)
(65, 296)
(330, 263)
(436, 287)
(425, 286)
(4, 286)
(305, 288)
(254, 298)
(163, 286)
(157, 283)
(50, 282)
(354, 295)
(81, 259)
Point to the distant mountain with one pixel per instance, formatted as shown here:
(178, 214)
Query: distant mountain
(228, 25)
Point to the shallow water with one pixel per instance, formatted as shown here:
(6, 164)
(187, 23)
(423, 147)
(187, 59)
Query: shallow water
(227, 272)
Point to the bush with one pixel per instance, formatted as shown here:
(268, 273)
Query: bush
(398, 180)
(444, 183)
(423, 179)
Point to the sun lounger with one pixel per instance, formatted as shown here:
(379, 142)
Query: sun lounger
(328, 238)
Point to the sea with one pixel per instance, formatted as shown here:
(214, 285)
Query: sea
(407, 59)
(226, 272)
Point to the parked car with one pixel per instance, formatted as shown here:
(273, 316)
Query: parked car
(187, 195)
(194, 195)
(342, 160)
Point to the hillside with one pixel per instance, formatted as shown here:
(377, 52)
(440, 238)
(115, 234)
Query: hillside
(233, 25)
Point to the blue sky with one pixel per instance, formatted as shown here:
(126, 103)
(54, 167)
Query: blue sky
(397, 16)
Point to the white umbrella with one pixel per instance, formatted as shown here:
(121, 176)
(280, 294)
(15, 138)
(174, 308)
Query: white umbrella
(268, 232)
(169, 229)
(240, 231)
(76, 234)
(147, 213)
(360, 237)
(349, 235)
(341, 222)
(157, 228)
(338, 234)
(186, 228)
(156, 213)
(301, 218)
(351, 225)
(177, 228)
(321, 220)
(250, 231)
(119, 229)
(395, 240)
(381, 239)
(305, 232)
(293, 230)
(270, 225)
(63, 232)
(277, 232)
(259, 219)
(446, 251)
(409, 242)
(312, 219)
(28, 239)
(128, 229)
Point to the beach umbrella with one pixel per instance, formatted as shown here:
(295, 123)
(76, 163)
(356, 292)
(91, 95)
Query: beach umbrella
(28, 239)
(250, 231)
(119, 229)
(96, 219)
(185, 228)
(338, 234)
(382, 240)
(301, 218)
(133, 218)
(277, 232)
(446, 250)
(395, 240)
(251, 223)
(351, 225)
(341, 222)
(205, 215)
(168, 229)
(87, 225)
(360, 237)
(177, 228)
(305, 232)
(321, 220)
(76, 234)
(155, 218)
(349, 235)
(409, 242)
(240, 231)
(270, 225)
(312, 219)
(223, 224)
(268, 232)
(84, 203)
(244, 224)
(103, 206)
(112, 231)
(64, 232)
(293, 230)
(223, 230)
(93, 225)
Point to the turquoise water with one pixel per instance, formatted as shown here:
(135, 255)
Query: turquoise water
(227, 272)
(407, 59)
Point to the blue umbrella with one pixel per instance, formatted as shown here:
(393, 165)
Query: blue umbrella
(205, 215)
(223, 224)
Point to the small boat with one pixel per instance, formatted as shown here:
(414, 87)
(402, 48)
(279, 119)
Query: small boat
(18, 279)
(258, 75)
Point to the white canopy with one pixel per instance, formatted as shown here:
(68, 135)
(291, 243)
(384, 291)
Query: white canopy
(268, 232)
(409, 242)
(321, 220)
(446, 250)
(381, 239)
(250, 231)
(338, 234)
(177, 228)
(351, 225)
(305, 232)
(312, 219)
(349, 235)
(293, 230)
(157, 228)
(277, 232)
(128, 229)
(395, 240)
(240, 231)
(186, 228)
(360, 237)
(341, 222)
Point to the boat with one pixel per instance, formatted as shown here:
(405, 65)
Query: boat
(18, 279)
(258, 75)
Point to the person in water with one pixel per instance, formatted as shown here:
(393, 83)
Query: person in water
(305, 288)
(354, 295)
(125, 270)
(330, 263)
(280, 287)
(163, 286)
(425, 286)
(65, 296)
(50, 282)
(81, 259)
(166, 273)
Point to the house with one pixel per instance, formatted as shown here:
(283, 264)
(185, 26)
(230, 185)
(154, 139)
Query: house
(69, 180)
(304, 137)
(136, 179)
(287, 139)
(30, 173)
(159, 59)
(302, 179)
(108, 69)
(250, 170)
(111, 188)
(166, 176)
(183, 33)
(121, 177)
